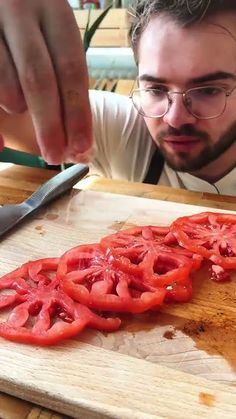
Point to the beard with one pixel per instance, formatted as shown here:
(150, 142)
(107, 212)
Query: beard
(182, 161)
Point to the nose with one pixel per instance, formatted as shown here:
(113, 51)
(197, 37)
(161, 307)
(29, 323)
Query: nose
(177, 114)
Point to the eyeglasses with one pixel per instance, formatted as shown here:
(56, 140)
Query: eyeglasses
(204, 102)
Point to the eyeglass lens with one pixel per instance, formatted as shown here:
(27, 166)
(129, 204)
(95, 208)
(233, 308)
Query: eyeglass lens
(202, 102)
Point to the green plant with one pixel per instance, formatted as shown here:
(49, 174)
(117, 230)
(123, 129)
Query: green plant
(90, 30)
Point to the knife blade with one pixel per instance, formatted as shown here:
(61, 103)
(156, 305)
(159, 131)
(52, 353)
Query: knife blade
(11, 215)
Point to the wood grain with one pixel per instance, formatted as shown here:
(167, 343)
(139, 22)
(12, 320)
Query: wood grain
(18, 182)
(113, 30)
(115, 18)
(196, 340)
(85, 381)
(112, 38)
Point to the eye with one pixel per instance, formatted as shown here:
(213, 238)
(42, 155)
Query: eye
(209, 91)
(157, 87)
(159, 93)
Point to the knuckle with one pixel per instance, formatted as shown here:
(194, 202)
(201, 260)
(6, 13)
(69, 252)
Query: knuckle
(35, 78)
(72, 98)
(15, 3)
(70, 78)
(70, 69)
(13, 6)
(35, 69)
(11, 96)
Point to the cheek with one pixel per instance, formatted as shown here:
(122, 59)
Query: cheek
(219, 126)
(214, 128)
(154, 126)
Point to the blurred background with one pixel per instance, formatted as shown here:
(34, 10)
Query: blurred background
(101, 4)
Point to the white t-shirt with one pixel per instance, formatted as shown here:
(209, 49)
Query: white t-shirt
(124, 148)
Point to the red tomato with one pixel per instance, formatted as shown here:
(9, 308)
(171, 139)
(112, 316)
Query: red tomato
(165, 271)
(138, 240)
(153, 253)
(179, 292)
(42, 313)
(134, 243)
(211, 235)
(25, 278)
(91, 276)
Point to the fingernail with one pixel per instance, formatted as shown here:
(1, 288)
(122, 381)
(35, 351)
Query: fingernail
(80, 145)
(82, 159)
(78, 158)
(53, 158)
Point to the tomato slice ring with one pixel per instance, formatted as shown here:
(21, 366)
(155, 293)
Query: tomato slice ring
(25, 278)
(42, 313)
(152, 252)
(136, 237)
(91, 276)
(157, 269)
(211, 235)
(136, 242)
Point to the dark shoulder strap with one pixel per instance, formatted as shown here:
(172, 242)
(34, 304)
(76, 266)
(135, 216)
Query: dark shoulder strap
(155, 168)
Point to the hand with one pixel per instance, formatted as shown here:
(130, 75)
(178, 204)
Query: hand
(43, 69)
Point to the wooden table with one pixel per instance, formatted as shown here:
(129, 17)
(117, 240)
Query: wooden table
(17, 183)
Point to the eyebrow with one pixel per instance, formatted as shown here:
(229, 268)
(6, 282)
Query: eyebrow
(218, 75)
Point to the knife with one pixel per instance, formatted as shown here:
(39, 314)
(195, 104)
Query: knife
(10, 215)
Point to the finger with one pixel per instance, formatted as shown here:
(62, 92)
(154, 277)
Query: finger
(11, 96)
(18, 132)
(1, 143)
(85, 157)
(65, 45)
(37, 78)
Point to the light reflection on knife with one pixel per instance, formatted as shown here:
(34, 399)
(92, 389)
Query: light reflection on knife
(11, 215)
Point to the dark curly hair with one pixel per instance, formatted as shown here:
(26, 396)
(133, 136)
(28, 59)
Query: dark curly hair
(184, 12)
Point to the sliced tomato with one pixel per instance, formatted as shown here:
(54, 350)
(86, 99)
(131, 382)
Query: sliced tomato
(219, 274)
(157, 269)
(209, 234)
(25, 278)
(134, 243)
(42, 313)
(139, 237)
(179, 292)
(153, 253)
(92, 276)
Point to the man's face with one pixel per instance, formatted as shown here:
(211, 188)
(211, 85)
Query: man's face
(176, 59)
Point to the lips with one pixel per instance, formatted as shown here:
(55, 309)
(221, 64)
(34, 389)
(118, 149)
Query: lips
(182, 143)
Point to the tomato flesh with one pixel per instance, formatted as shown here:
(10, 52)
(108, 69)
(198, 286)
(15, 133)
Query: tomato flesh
(132, 271)
(42, 313)
(91, 275)
(136, 242)
(211, 235)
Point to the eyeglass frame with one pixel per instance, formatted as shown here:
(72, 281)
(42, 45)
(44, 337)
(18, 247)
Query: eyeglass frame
(183, 93)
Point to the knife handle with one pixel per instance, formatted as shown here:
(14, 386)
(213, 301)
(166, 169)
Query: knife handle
(57, 185)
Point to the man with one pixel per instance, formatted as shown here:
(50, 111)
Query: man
(185, 103)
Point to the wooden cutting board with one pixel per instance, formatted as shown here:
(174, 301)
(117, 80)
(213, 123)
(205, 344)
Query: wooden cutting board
(181, 359)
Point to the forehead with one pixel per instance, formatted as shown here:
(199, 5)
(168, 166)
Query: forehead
(167, 50)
